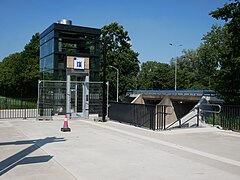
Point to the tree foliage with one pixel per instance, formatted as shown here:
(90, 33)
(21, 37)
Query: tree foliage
(154, 75)
(228, 83)
(19, 72)
(121, 56)
(188, 70)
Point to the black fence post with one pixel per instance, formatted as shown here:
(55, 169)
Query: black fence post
(152, 118)
(213, 119)
(197, 116)
(157, 117)
(164, 117)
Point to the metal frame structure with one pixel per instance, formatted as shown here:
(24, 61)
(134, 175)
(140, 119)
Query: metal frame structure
(75, 98)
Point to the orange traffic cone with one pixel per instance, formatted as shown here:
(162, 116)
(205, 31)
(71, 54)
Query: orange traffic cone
(65, 125)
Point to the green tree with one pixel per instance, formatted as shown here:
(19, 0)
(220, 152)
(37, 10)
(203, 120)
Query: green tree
(228, 83)
(120, 55)
(19, 72)
(155, 75)
(30, 67)
(9, 75)
(188, 76)
(212, 53)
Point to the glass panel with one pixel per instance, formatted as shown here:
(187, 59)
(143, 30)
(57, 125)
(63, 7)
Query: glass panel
(49, 62)
(76, 43)
(48, 75)
(69, 47)
(94, 76)
(90, 45)
(47, 37)
(60, 44)
(94, 63)
(61, 75)
(47, 67)
(47, 48)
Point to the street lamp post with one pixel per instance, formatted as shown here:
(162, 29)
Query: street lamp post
(117, 78)
(175, 81)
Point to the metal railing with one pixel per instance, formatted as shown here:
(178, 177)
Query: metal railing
(230, 117)
(173, 92)
(140, 115)
(52, 95)
(161, 114)
(18, 108)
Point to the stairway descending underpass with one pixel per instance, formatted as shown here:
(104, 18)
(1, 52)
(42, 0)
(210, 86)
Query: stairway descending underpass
(194, 117)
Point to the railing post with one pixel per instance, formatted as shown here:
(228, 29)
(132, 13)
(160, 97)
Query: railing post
(197, 116)
(152, 118)
(213, 119)
(164, 117)
(24, 114)
(180, 123)
(157, 116)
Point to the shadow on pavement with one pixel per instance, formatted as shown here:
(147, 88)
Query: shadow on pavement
(20, 157)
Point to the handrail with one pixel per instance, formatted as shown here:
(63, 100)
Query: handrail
(173, 92)
(163, 113)
(210, 108)
(178, 120)
(181, 124)
(189, 119)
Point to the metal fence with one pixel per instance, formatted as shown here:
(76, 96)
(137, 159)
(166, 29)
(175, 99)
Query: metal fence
(135, 114)
(161, 113)
(154, 117)
(52, 95)
(18, 108)
(230, 117)
(142, 115)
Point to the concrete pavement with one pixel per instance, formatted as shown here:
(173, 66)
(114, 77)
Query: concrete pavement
(31, 149)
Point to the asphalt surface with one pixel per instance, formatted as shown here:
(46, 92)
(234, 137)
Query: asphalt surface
(31, 149)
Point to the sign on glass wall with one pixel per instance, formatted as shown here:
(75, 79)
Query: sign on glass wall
(78, 63)
(81, 63)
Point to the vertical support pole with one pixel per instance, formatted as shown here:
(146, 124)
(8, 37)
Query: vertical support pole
(38, 100)
(213, 119)
(68, 96)
(197, 116)
(83, 99)
(162, 121)
(76, 97)
(85, 105)
(107, 97)
(156, 118)
(152, 117)
(117, 83)
(175, 81)
(164, 117)
(104, 84)
(25, 111)
(180, 123)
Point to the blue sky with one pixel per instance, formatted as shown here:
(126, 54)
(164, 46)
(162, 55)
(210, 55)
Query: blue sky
(152, 24)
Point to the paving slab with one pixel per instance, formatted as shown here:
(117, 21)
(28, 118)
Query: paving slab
(111, 150)
(22, 158)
